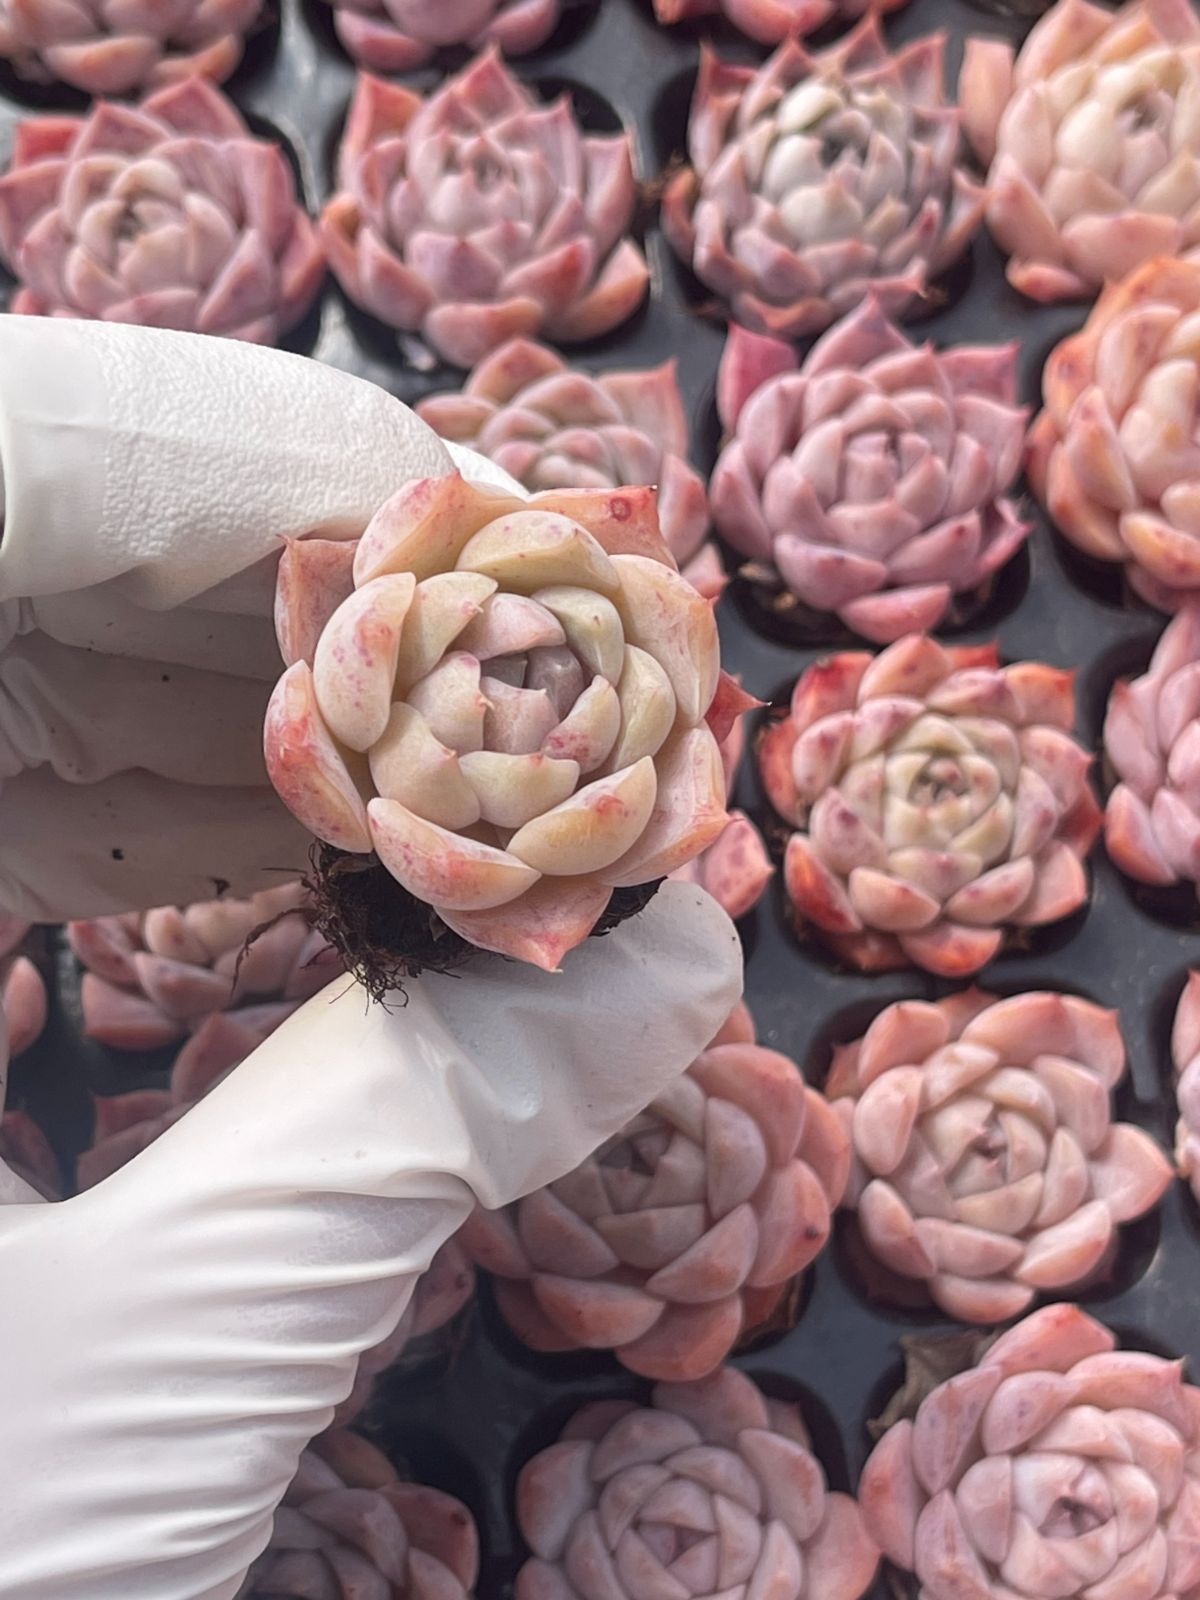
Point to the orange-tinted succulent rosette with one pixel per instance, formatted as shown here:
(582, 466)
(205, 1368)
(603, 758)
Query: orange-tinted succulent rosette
(513, 703)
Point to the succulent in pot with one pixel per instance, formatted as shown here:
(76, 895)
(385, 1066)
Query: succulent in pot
(819, 177)
(986, 1161)
(515, 709)
(869, 481)
(1058, 1468)
(716, 1490)
(349, 1525)
(686, 1229)
(480, 214)
(553, 426)
(122, 46)
(939, 802)
(1091, 140)
(1185, 1055)
(1114, 455)
(390, 36)
(169, 213)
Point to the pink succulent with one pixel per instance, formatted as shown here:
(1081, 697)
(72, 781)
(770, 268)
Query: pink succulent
(1091, 137)
(350, 1529)
(939, 801)
(153, 977)
(684, 1230)
(554, 427)
(169, 214)
(735, 868)
(511, 707)
(1185, 1053)
(23, 1146)
(392, 36)
(120, 46)
(816, 178)
(1059, 1468)
(479, 214)
(986, 1161)
(771, 21)
(870, 479)
(1152, 739)
(1115, 454)
(711, 1489)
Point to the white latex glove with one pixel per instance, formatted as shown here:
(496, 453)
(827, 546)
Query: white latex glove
(172, 1338)
(149, 480)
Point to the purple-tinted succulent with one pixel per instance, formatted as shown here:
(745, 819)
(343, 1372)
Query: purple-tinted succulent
(119, 46)
(816, 178)
(771, 21)
(986, 1160)
(1152, 739)
(153, 977)
(1059, 1468)
(480, 214)
(170, 214)
(712, 1489)
(350, 1528)
(1185, 1053)
(392, 36)
(555, 427)
(870, 479)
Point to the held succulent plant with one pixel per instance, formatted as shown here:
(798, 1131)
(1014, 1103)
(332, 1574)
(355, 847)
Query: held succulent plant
(1058, 1468)
(171, 214)
(391, 36)
(509, 707)
(684, 1230)
(1092, 135)
(771, 21)
(986, 1161)
(711, 1489)
(153, 977)
(23, 1145)
(118, 46)
(817, 178)
(1152, 739)
(1185, 1053)
(870, 479)
(1114, 456)
(350, 1529)
(939, 803)
(554, 427)
(479, 214)
(735, 869)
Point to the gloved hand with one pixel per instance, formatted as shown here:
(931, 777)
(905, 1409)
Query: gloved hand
(150, 479)
(170, 1340)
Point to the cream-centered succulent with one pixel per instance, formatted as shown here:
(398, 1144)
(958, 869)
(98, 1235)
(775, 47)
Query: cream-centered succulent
(508, 706)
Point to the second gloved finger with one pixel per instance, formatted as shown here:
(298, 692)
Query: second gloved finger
(90, 716)
(137, 840)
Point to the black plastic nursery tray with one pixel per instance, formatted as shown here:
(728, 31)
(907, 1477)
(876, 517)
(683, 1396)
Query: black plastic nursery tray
(468, 1425)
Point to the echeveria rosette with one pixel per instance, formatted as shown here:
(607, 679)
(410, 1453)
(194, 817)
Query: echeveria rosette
(1114, 455)
(685, 1229)
(480, 214)
(554, 427)
(170, 214)
(349, 1528)
(1152, 741)
(816, 178)
(392, 36)
(710, 1489)
(771, 21)
(151, 978)
(1092, 136)
(986, 1162)
(938, 799)
(1185, 1055)
(508, 707)
(735, 868)
(119, 46)
(870, 479)
(1058, 1468)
